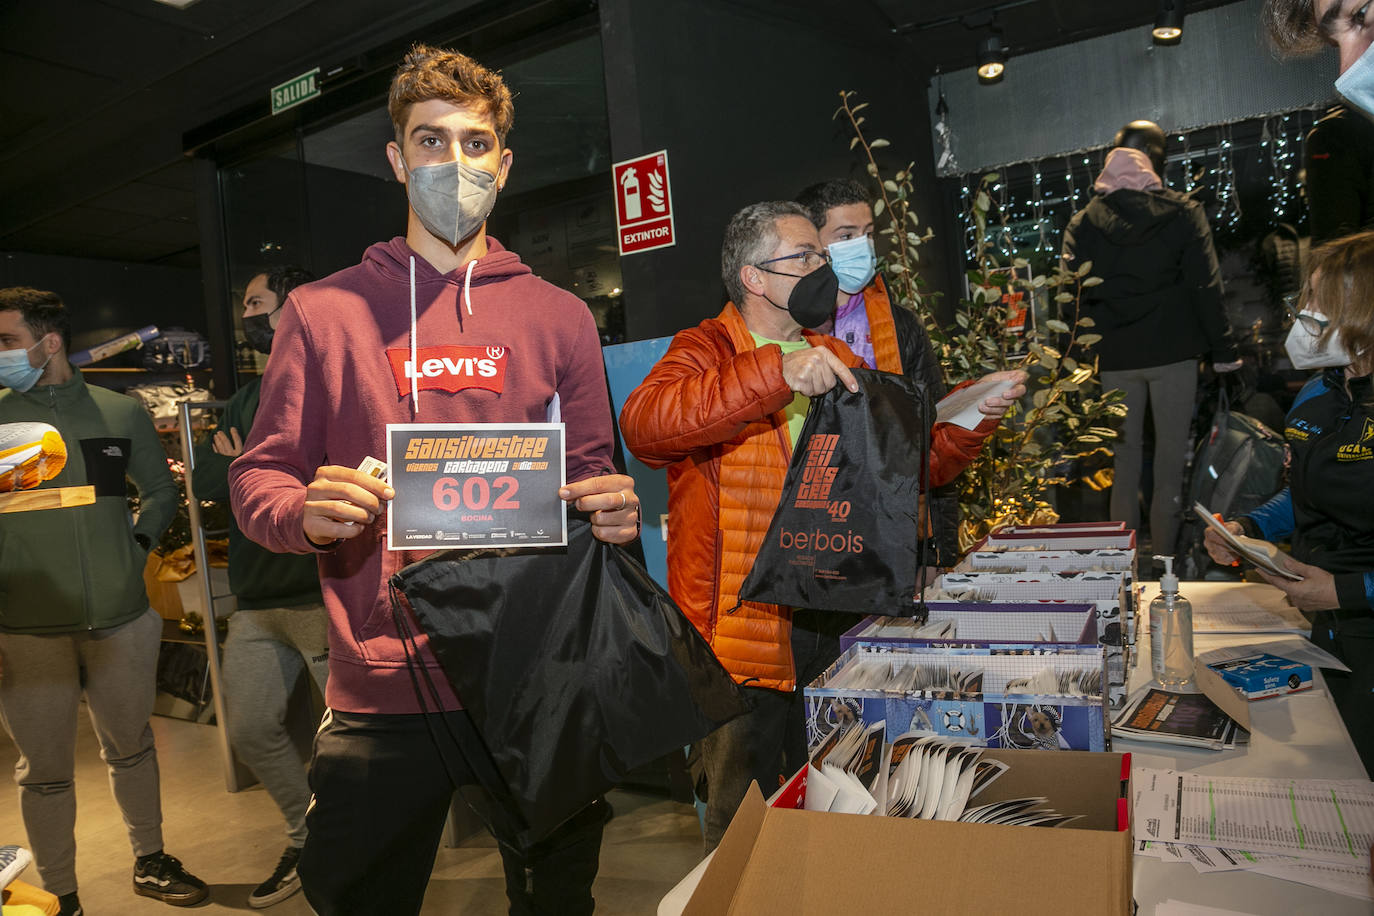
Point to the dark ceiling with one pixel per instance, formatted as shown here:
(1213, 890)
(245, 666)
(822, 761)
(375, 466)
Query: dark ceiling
(97, 96)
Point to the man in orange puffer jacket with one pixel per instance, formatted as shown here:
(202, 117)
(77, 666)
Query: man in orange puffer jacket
(721, 411)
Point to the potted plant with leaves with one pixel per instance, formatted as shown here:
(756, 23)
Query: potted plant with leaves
(1010, 318)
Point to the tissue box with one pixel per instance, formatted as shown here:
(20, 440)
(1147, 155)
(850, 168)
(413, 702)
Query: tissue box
(1264, 675)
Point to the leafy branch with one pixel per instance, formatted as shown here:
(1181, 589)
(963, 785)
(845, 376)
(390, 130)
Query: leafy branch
(903, 254)
(1065, 420)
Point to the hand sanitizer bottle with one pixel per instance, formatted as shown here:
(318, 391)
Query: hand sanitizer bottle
(1171, 632)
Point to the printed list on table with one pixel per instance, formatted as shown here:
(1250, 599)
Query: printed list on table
(1325, 819)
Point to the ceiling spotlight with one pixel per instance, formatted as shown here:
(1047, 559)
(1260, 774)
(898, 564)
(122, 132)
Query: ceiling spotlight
(992, 59)
(1168, 28)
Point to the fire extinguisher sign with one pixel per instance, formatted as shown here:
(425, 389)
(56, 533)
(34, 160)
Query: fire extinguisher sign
(643, 203)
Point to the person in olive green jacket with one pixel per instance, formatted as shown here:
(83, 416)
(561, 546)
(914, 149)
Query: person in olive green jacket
(280, 628)
(74, 614)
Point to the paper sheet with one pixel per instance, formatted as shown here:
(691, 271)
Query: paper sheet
(1256, 551)
(1242, 607)
(1323, 819)
(1182, 908)
(961, 407)
(1350, 880)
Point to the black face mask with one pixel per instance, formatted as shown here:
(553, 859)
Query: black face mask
(257, 331)
(812, 300)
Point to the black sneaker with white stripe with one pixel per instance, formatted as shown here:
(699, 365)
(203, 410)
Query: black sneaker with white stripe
(283, 883)
(161, 877)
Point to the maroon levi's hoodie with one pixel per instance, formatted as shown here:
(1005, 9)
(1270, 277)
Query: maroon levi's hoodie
(336, 377)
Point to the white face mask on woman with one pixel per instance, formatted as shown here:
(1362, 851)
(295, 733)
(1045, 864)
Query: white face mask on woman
(1304, 348)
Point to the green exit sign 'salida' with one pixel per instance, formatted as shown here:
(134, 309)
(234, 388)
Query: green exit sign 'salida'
(294, 91)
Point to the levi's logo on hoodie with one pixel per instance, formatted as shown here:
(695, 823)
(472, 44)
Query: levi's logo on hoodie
(449, 368)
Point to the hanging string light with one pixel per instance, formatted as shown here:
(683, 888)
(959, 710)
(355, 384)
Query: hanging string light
(1188, 181)
(1229, 214)
(1283, 168)
(970, 230)
(1037, 207)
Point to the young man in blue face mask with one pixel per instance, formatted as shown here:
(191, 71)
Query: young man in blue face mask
(891, 339)
(76, 619)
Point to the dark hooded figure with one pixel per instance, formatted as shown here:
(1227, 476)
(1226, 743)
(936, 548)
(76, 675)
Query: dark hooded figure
(1158, 310)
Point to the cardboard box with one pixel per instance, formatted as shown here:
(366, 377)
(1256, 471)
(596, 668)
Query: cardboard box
(1107, 590)
(1065, 528)
(1264, 675)
(785, 862)
(987, 715)
(1059, 538)
(1000, 628)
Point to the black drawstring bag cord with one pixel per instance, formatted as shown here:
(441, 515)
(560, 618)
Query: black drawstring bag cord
(412, 653)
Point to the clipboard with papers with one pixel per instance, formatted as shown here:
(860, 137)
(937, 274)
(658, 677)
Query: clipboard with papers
(1253, 550)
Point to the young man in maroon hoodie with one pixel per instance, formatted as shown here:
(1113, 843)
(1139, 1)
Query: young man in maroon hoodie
(346, 361)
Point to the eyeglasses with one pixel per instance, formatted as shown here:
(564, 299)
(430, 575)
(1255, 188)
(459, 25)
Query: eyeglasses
(810, 260)
(1310, 323)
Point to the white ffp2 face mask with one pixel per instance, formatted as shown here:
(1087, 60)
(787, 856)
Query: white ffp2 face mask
(1356, 84)
(451, 199)
(1305, 351)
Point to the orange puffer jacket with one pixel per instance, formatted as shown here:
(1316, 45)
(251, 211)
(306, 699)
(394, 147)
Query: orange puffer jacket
(711, 412)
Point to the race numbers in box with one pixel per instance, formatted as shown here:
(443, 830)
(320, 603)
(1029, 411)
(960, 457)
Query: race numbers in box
(469, 485)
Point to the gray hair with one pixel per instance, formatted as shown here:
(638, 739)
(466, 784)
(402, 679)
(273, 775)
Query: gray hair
(750, 237)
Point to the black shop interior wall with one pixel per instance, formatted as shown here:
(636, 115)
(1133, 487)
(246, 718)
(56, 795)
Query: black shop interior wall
(741, 95)
(109, 298)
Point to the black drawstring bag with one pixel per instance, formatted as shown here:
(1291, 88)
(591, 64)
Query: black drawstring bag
(845, 534)
(574, 665)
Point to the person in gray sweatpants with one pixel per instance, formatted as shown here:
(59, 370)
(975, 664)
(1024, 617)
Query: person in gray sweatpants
(1157, 312)
(40, 690)
(74, 615)
(281, 628)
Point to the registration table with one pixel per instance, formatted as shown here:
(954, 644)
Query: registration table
(1299, 735)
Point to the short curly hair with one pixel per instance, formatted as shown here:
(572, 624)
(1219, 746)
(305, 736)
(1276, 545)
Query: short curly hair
(285, 277)
(819, 199)
(1292, 26)
(751, 234)
(439, 73)
(43, 312)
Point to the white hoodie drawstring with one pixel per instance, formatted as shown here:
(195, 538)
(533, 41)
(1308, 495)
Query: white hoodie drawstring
(414, 359)
(467, 286)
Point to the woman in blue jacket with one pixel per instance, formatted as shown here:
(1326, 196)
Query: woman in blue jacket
(1327, 509)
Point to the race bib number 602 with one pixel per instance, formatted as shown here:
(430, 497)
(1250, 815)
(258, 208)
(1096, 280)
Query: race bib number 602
(475, 485)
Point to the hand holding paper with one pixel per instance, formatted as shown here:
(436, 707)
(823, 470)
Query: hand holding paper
(997, 404)
(1262, 554)
(1314, 590)
(989, 396)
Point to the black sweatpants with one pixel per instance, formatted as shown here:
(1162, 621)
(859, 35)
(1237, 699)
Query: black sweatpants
(382, 787)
